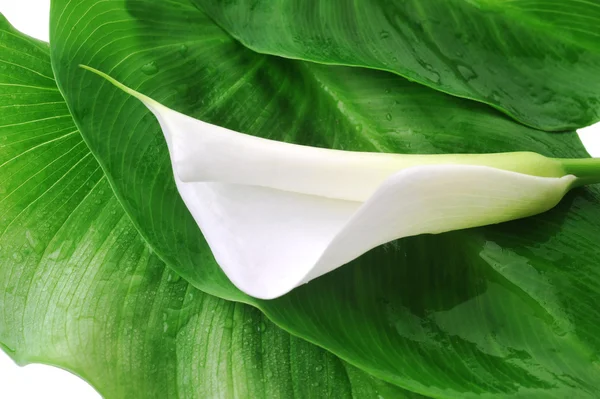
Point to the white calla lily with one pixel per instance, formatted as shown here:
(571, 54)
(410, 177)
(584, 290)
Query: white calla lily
(277, 215)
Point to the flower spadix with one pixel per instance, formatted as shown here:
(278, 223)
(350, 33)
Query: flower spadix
(277, 215)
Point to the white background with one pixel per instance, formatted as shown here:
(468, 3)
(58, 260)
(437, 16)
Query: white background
(38, 381)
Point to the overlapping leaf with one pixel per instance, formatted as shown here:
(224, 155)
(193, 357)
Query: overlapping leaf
(79, 287)
(536, 60)
(501, 311)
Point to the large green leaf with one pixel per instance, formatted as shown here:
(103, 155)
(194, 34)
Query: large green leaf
(536, 60)
(79, 287)
(505, 310)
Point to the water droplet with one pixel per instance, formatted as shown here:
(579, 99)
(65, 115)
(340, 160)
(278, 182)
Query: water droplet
(542, 96)
(261, 327)
(560, 327)
(434, 76)
(183, 49)
(495, 96)
(150, 68)
(18, 257)
(384, 34)
(319, 368)
(388, 116)
(466, 72)
(54, 255)
(269, 374)
(34, 242)
(165, 327)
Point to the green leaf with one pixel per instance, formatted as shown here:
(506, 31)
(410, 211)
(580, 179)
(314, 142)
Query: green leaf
(80, 289)
(536, 60)
(505, 310)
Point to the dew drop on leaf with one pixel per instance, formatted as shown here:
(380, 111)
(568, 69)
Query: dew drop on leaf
(34, 242)
(388, 116)
(18, 257)
(319, 368)
(183, 49)
(261, 327)
(384, 34)
(150, 68)
(466, 72)
(495, 96)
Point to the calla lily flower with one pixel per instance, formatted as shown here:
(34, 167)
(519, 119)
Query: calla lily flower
(277, 215)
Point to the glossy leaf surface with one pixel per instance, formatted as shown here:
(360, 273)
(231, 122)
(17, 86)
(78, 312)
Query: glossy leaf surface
(501, 311)
(80, 289)
(536, 60)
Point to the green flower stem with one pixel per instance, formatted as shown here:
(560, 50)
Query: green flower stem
(587, 170)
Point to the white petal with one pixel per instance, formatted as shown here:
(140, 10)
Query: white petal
(268, 241)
